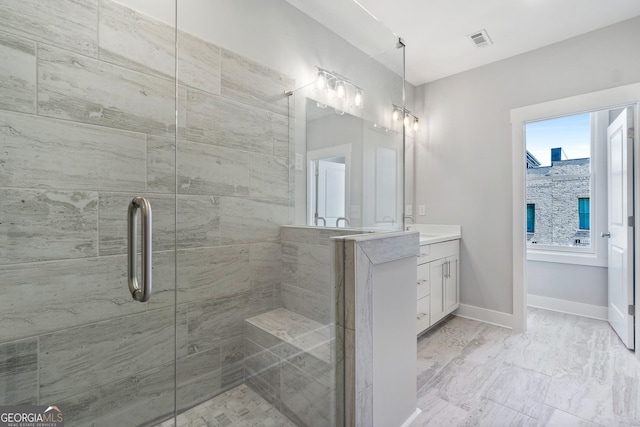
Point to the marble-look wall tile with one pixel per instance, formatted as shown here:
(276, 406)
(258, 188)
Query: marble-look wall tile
(112, 221)
(161, 164)
(76, 360)
(262, 370)
(198, 221)
(37, 152)
(213, 322)
(144, 398)
(207, 169)
(17, 74)
(244, 220)
(72, 24)
(306, 265)
(212, 119)
(305, 397)
(306, 303)
(265, 264)
(198, 378)
(43, 297)
(252, 83)
(232, 363)
(135, 41)
(269, 176)
(163, 279)
(198, 63)
(82, 89)
(207, 273)
(46, 225)
(19, 372)
(308, 235)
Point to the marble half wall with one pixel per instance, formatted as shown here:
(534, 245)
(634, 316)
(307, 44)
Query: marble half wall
(376, 276)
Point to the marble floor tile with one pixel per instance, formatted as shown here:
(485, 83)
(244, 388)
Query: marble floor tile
(520, 389)
(438, 413)
(564, 371)
(238, 407)
(491, 414)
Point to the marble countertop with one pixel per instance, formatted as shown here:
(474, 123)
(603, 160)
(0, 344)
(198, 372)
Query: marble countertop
(436, 233)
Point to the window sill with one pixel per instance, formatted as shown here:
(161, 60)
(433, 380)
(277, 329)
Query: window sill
(562, 257)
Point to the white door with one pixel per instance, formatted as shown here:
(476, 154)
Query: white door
(620, 242)
(331, 191)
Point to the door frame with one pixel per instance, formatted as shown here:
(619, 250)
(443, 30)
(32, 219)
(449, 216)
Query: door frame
(600, 100)
(343, 150)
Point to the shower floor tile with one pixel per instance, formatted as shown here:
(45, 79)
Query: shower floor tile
(238, 407)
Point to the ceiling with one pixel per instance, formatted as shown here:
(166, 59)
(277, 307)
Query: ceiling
(435, 31)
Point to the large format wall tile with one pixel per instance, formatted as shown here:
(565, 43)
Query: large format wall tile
(265, 264)
(136, 41)
(45, 225)
(72, 24)
(207, 273)
(144, 398)
(112, 221)
(307, 303)
(198, 63)
(77, 360)
(244, 220)
(82, 89)
(304, 397)
(17, 74)
(207, 169)
(43, 297)
(254, 84)
(198, 378)
(269, 176)
(214, 322)
(306, 265)
(38, 152)
(212, 119)
(161, 163)
(19, 372)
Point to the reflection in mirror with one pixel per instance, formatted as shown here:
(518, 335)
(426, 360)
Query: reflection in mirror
(354, 170)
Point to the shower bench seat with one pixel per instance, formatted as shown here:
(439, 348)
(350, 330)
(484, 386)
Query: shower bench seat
(288, 361)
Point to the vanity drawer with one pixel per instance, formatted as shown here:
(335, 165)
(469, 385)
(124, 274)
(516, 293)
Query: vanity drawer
(423, 280)
(444, 249)
(423, 314)
(423, 256)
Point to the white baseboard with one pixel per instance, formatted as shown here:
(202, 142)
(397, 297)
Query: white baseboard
(413, 416)
(570, 307)
(485, 315)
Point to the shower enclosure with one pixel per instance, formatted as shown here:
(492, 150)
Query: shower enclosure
(199, 109)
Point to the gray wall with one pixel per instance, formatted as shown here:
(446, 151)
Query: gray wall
(464, 155)
(576, 283)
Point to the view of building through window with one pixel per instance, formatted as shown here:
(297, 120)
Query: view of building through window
(559, 181)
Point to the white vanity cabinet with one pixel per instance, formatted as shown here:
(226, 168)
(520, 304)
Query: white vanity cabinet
(438, 289)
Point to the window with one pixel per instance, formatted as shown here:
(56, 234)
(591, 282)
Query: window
(559, 171)
(584, 213)
(531, 218)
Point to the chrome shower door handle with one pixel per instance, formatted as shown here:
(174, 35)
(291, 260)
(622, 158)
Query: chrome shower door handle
(139, 292)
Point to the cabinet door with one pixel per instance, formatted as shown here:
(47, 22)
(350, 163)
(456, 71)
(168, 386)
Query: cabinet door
(451, 292)
(436, 283)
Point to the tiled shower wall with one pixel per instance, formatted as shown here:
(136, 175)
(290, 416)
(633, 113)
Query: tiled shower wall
(87, 121)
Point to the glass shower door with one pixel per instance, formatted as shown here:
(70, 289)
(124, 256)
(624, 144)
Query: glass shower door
(87, 123)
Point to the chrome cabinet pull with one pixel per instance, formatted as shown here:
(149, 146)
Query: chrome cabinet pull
(140, 293)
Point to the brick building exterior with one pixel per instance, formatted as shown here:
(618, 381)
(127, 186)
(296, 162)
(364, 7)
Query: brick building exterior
(558, 201)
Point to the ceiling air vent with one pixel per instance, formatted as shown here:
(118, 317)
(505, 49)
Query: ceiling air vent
(480, 38)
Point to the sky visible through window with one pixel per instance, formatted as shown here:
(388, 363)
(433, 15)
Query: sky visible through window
(572, 133)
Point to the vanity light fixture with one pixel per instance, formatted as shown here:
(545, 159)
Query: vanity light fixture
(410, 121)
(339, 87)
